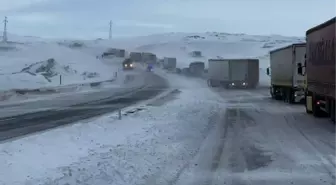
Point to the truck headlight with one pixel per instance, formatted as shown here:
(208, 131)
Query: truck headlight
(131, 65)
(244, 83)
(232, 84)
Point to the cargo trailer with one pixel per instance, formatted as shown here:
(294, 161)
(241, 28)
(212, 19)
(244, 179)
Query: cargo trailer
(169, 63)
(149, 57)
(196, 68)
(233, 73)
(136, 56)
(319, 70)
(286, 83)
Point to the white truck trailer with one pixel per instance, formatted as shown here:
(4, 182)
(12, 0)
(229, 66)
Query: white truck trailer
(286, 83)
(169, 63)
(233, 73)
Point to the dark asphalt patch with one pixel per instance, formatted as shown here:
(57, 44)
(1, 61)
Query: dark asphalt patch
(163, 100)
(247, 155)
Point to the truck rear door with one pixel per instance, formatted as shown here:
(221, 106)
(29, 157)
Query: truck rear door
(219, 70)
(299, 53)
(239, 70)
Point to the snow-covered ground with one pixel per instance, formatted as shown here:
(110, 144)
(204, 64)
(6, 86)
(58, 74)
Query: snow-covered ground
(32, 62)
(189, 135)
(72, 145)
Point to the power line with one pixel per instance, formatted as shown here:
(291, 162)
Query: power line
(4, 37)
(110, 31)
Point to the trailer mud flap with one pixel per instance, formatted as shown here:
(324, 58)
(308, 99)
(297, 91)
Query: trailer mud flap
(309, 103)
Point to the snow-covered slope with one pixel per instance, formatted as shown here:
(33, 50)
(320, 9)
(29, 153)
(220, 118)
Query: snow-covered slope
(211, 44)
(29, 62)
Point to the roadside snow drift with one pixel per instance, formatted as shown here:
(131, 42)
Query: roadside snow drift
(34, 64)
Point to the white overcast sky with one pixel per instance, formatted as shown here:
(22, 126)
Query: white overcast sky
(89, 18)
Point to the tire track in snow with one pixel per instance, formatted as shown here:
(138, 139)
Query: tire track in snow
(319, 154)
(164, 176)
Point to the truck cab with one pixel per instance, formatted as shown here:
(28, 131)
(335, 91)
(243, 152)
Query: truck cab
(128, 64)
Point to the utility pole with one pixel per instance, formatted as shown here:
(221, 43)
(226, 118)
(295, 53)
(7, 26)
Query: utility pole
(110, 31)
(4, 36)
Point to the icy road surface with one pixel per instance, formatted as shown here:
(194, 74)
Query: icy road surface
(33, 116)
(190, 135)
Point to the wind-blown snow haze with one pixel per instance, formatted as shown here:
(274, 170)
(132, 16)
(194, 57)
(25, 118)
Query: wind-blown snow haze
(89, 19)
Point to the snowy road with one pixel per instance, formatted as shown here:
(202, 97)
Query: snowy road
(190, 135)
(65, 109)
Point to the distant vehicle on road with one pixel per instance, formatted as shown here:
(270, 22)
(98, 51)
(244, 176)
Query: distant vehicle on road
(233, 73)
(149, 67)
(169, 63)
(128, 64)
(136, 56)
(196, 68)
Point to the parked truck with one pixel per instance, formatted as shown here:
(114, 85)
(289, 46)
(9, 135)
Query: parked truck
(286, 83)
(196, 68)
(319, 70)
(136, 56)
(149, 58)
(233, 73)
(169, 63)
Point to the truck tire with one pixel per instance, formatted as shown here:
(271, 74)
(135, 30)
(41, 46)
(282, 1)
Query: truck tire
(209, 83)
(271, 92)
(291, 96)
(332, 110)
(212, 83)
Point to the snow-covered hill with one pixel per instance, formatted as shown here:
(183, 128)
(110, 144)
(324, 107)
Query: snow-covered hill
(211, 44)
(32, 62)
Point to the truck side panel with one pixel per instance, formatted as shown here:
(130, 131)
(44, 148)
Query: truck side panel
(299, 57)
(320, 67)
(219, 70)
(253, 72)
(282, 67)
(169, 63)
(238, 70)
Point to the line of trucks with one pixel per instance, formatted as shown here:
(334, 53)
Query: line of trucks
(306, 71)
(300, 72)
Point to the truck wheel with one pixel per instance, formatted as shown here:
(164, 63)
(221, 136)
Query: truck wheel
(285, 95)
(209, 83)
(291, 96)
(332, 110)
